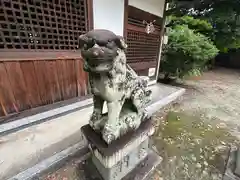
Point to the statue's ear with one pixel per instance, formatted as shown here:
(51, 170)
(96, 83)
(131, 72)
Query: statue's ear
(121, 43)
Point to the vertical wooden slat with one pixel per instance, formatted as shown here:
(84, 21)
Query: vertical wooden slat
(68, 78)
(43, 84)
(62, 75)
(60, 78)
(31, 83)
(51, 70)
(82, 78)
(57, 88)
(18, 85)
(65, 79)
(3, 111)
(7, 100)
(78, 68)
(72, 78)
(86, 86)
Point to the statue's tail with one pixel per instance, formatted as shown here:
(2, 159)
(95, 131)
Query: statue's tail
(143, 82)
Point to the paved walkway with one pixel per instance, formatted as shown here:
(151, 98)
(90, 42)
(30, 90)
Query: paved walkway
(27, 147)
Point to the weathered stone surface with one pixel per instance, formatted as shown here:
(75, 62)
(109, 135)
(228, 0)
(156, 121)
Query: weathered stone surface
(114, 82)
(237, 169)
(116, 160)
(125, 165)
(230, 170)
(118, 139)
(128, 140)
(141, 172)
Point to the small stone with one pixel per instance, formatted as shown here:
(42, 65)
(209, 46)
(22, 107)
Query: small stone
(198, 165)
(205, 173)
(183, 158)
(205, 163)
(198, 141)
(192, 144)
(220, 148)
(209, 126)
(222, 125)
(223, 143)
(211, 157)
(194, 158)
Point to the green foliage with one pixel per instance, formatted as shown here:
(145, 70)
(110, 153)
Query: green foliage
(187, 52)
(197, 25)
(224, 15)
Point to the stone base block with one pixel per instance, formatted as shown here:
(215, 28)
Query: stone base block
(122, 157)
(125, 165)
(232, 167)
(142, 171)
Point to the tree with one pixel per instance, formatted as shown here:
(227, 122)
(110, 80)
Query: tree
(224, 16)
(197, 25)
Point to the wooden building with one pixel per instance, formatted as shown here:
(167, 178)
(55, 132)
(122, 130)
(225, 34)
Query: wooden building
(39, 60)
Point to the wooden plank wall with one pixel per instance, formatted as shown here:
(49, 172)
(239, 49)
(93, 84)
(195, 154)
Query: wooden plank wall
(29, 84)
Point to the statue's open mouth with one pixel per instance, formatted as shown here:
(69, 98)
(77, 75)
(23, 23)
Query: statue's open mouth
(100, 65)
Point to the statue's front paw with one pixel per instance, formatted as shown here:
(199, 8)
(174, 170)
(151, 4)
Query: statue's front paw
(95, 118)
(110, 134)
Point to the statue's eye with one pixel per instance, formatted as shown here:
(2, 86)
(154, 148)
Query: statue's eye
(90, 45)
(85, 46)
(111, 45)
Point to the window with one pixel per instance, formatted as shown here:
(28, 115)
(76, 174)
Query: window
(42, 24)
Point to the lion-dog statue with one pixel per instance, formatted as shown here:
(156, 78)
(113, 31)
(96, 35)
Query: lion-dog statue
(114, 82)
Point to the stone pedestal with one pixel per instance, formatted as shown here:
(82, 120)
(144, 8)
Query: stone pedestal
(126, 158)
(232, 170)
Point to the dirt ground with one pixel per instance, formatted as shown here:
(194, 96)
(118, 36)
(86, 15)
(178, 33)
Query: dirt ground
(215, 96)
(194, 134)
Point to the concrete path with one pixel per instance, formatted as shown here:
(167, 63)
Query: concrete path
(27, 147)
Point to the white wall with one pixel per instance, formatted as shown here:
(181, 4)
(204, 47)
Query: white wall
(155, 7)
(109, 14)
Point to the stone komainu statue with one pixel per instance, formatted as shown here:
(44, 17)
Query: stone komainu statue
(114, 82)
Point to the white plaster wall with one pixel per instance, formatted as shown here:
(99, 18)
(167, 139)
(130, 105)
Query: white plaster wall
(155, 7)
(109, 14)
